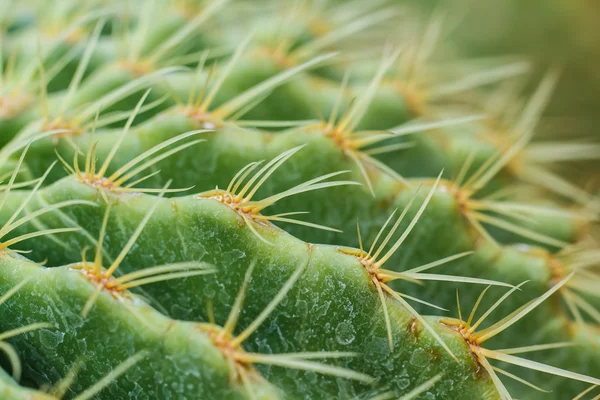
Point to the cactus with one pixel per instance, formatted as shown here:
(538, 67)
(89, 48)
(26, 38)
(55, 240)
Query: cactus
(203, 200)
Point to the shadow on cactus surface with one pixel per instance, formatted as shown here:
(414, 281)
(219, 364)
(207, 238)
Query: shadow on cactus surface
(224, 199)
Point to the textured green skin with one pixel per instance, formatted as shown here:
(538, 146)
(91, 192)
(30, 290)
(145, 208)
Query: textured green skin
(346, 293)
(196, 218)
(230, 148)
(181, 358)
(451, 233)
(504, 264)
(281, 141)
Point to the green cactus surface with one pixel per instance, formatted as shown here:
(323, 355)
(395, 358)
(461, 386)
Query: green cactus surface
(225, 199)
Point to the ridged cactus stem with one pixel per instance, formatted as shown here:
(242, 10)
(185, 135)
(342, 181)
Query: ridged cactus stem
(232, 200)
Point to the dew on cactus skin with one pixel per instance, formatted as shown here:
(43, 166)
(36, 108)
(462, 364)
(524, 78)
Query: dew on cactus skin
(419, 357)
(50, 339)
(302, 308)
(345, 333)
(233, 256)
(403, 383)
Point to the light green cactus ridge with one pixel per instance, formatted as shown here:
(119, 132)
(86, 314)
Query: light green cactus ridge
(11, 390)
(327, 271)
(501, 264)
(230, 148)
(179, 348)
(45, 154)
(444, 203)
(159, 126)
(313, 160)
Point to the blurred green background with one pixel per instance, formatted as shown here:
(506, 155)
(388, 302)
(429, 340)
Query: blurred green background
(563, 33)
